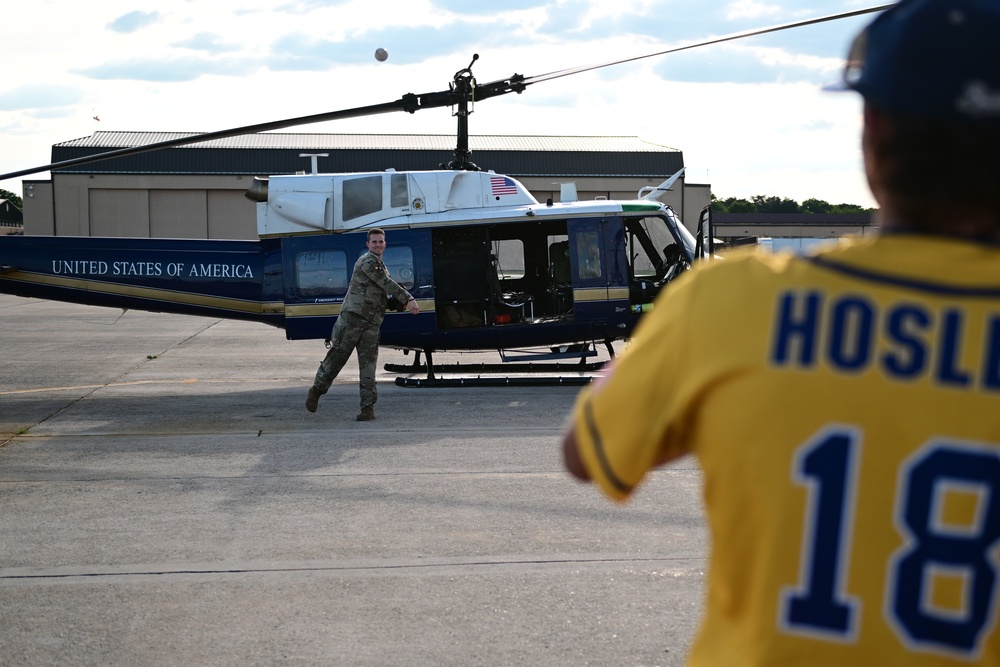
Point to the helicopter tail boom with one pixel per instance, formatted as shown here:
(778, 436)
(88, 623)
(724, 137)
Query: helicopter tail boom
(228, 279)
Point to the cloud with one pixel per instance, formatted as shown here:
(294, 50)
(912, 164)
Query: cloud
(54, 113)
(801, 54)
(750, 9)
(134, 21)
(464, 7)
(39, 96)
(406, 46)
(170, 70)
(742, 64)
(304, 6)
(207, 42)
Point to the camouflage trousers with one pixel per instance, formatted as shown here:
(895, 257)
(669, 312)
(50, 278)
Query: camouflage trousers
(351, 333)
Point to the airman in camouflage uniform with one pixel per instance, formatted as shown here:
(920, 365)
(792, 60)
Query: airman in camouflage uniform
(357, 327)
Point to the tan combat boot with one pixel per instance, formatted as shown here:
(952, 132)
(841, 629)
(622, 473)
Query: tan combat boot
(367, 414)
(312, 400)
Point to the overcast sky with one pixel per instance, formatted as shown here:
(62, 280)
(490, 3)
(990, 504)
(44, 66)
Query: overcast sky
(750, 116)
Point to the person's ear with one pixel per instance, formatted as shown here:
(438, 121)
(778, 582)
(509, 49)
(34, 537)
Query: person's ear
(877, 124)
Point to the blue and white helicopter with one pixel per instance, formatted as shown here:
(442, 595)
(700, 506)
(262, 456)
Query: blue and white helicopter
(490, 267)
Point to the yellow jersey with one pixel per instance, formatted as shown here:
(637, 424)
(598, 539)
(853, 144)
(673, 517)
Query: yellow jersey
(845, 410)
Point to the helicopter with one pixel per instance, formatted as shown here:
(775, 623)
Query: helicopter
(491, 267)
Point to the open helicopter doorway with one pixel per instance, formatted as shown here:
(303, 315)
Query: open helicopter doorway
(461, 288)
(501, 275)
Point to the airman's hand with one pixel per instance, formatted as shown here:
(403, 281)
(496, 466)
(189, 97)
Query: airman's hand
(412, 306)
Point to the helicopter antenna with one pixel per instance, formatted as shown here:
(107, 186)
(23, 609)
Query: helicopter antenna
(464, 88)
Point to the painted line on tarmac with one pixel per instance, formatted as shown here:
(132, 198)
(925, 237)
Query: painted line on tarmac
(677, 565)
(102, 386)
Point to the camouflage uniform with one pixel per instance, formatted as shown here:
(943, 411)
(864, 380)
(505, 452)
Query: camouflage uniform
(358, 324)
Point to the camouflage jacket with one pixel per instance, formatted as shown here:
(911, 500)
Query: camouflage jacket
(370, 287)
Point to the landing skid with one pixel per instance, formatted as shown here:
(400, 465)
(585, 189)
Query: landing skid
(479, 381)
(526, 373)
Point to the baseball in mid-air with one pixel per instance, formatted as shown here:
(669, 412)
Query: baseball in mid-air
(381, 54)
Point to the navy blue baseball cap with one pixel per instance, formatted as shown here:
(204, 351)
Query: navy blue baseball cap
(931, 58)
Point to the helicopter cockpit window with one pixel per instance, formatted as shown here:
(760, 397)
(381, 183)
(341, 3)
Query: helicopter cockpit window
(399, 195)
(322, 273)
(661, 237)
(642, 264)
(588, 250)
(649, 241)
(362, 196)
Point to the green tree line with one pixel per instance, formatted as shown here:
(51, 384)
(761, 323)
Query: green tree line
(766, 204)
(12, 198)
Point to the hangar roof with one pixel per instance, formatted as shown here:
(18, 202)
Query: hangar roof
(304, 141)
(278, 153)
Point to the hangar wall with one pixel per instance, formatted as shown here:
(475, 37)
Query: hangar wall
(137, 205)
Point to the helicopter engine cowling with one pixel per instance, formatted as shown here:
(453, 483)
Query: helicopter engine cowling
(301, 204)
(257, 191)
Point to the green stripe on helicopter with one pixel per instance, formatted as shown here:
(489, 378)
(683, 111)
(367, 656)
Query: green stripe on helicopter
(641, 207)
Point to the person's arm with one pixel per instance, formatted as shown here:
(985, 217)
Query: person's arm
(604, 440)
(576, 467)
(377, 274)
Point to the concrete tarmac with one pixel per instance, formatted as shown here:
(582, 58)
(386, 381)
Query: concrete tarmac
(166, 499)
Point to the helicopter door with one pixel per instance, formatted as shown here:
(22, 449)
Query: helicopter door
(595, 263)
(560, 276)
(461, 277)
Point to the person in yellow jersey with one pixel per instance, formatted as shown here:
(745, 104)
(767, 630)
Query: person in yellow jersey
(844, 406)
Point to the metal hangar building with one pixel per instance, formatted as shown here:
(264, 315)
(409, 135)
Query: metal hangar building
(197, 191)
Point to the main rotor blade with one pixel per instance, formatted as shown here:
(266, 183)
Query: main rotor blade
(409, 102)
(401, 104)
(709, 42)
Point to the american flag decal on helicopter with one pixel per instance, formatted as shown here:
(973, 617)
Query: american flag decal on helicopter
(501, 185)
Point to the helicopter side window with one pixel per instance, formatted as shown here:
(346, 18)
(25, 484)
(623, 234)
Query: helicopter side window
(322, 273)
(509, 254)
(362, 196)
(399, 191)
(399, 260)
(588, 249)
